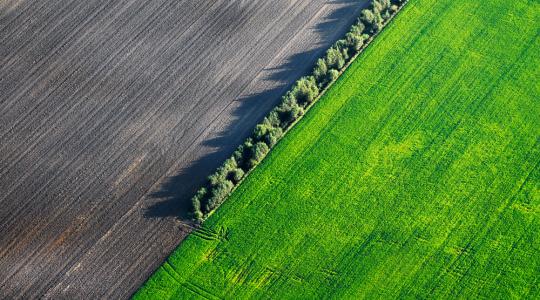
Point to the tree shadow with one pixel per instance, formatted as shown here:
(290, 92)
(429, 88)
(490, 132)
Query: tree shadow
(173, 197)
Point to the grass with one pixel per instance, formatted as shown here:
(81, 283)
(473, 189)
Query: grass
(416, 175)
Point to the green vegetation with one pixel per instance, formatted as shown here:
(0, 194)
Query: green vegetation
(416, 175)
(293, 105)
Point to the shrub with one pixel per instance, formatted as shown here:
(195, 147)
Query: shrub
(242, 155)
(334, 58)
(355, 40)
(288, 111)
(266, 133)
(320, 73)
(236, 175)
(218, 193)
(272, 119)
(371, 20)
(259, 151)
(273, 135)
(333, 75)
(196, 203)
(305, 90)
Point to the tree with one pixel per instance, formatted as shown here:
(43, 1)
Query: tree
(218, 193)
(222, 172)
(288, 111)
(272, 120)
(266, 133)
(305, 90)
(273, 135)
(242, 155)
(259, 151)
(334, 58)
(196, 203)
(319, 72)
(358, 28)
(367, 17)
(260, 131)
(355, 38)
(237, 175)
(372, 20)
(333, 75)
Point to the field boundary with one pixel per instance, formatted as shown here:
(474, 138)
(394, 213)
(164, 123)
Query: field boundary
(296, 102)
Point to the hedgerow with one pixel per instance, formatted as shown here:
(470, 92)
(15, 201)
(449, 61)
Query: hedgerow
(293, 105)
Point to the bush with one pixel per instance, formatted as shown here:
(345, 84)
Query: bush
(355, 40)
(320, 73)
(236, 175)
(196, 203)
(218, 193)
(334, 58)
(266, 133)
(259, 151)
(288, 111)
(242, 155)
(333, 75)
(273, 135)
(371, 20)
(305, 90)
(272, 120)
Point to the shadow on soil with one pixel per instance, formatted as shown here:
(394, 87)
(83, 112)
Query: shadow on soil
(175, 194)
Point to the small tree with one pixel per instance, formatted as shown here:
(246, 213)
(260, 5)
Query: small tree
(242, 154)
(372, 21)
(259, 151)
(333, 75)
(358, 28)
(272, 120)
(196, 203)
(236, 175)
(334, 58)
(260, 131)
(288, 110)
(305, 90)
(218, 193)
(273, 135)
(355, 38)
(223, 172)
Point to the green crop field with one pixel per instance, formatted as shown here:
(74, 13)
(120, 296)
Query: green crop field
(416, 175)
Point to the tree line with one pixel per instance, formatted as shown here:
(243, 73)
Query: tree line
(293, 105)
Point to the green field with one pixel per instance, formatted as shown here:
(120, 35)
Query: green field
(416, 175)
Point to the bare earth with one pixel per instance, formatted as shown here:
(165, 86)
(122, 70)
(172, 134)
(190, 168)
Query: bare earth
(113, 112)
